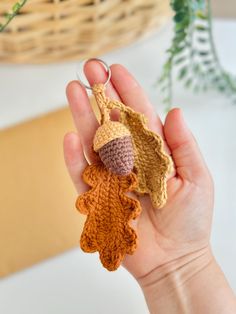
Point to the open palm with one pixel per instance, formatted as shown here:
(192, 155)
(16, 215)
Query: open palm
(183, 225)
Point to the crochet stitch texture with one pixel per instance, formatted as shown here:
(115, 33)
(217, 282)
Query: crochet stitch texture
(108, 211)
(109, 131)
(118, 156)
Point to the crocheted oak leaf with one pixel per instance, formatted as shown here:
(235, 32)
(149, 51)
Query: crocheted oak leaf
(108, 211)
(151, 162)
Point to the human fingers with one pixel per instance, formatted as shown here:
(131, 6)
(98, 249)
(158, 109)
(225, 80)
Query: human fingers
(186, 154)
(96, 73)
(75, 160)
(83, 115)
(133, 95)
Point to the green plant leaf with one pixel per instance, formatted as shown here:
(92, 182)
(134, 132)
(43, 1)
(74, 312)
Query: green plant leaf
(207, 62)
(179, 37)
(198, 68)
(202, 40)
(182, 72)
(164, 88)
(189, 82)
(177, 5)
(203, 53)
(178, 50)
(211, 70)
(167, 65)
(201, 28)
(16, 7)
(221, 88)
(179, 27)
(166, 100)
(201, 15)
(180, 60)
(180, 16)
(7, 15)
(196, 89)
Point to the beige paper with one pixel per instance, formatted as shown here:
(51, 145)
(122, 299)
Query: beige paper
(38, 218)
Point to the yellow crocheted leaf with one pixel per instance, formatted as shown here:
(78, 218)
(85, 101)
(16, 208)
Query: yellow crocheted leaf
(109, 211)
(151, 162)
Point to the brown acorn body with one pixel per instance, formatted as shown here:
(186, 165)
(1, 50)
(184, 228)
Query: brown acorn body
(117, 155)
(113, 143)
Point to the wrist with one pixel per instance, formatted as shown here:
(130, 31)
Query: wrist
(167, 286)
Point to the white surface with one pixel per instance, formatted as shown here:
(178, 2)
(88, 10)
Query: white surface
(75, 282)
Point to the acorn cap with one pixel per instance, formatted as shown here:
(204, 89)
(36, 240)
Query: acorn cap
(107, 132)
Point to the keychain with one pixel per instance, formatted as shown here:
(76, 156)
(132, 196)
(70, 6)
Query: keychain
(130, 158)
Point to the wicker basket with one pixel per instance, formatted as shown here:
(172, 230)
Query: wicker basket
(59, 30)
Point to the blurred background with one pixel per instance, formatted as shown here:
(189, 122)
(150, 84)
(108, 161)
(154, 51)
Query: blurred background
(42, 269)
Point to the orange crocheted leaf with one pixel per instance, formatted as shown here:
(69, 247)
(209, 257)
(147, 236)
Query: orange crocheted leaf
(109, 211)
(151, 162)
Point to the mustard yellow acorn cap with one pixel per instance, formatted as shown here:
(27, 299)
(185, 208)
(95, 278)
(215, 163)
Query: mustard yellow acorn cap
(107, 132)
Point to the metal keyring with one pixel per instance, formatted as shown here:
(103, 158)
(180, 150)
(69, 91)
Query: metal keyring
(106, 67)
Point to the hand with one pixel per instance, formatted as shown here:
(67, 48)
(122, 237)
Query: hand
(183, 225)
(173, 252)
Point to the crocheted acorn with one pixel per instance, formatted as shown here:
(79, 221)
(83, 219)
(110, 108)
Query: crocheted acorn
(113, 143)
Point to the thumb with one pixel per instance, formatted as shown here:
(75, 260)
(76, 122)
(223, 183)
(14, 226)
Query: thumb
(185, 152)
